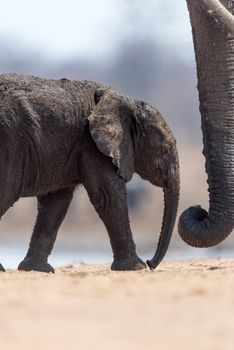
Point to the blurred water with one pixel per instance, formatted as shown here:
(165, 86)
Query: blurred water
(62, 255)
(11, 257)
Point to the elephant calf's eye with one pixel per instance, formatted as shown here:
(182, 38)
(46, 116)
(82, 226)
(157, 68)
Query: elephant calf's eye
(166, 152)
(97, 96)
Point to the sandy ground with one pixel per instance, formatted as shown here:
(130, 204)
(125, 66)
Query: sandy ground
(181, 305)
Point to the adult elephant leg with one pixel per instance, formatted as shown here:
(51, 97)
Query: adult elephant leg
(214, 49)
(52, 209)
(107, 193)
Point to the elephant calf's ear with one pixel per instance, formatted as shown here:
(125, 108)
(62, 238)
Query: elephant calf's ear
(112, 134)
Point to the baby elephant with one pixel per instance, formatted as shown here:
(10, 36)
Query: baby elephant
(57, 134)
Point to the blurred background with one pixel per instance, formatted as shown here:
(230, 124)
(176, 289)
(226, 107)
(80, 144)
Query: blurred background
(144, 51)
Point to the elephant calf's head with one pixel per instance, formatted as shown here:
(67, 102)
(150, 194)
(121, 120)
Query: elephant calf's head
(137, 138)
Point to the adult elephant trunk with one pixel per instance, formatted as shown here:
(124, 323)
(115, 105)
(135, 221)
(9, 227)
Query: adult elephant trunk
(171, 200)
(214, 49)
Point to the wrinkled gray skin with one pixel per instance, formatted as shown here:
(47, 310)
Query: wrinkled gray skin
(56, 135)
(214, 49)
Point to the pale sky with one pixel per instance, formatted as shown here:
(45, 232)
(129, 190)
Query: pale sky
(61, 29)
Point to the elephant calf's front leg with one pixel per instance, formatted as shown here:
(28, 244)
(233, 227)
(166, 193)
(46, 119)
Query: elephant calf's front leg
(52, 209)
(107, 192)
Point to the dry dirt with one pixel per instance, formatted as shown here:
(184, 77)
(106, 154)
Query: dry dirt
(181, 305)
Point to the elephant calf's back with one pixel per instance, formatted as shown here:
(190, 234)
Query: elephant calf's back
(41, 130)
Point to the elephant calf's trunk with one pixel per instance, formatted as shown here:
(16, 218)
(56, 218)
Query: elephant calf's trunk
(171, 200)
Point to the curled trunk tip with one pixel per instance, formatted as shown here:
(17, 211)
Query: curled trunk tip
(199, 229)
(189, 219)
(151, 264)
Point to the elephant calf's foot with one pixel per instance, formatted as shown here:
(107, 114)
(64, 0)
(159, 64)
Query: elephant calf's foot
(30, 264)
(2, 268)
(128, 264)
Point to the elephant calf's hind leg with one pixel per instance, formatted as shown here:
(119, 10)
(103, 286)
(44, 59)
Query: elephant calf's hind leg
(52, 209)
